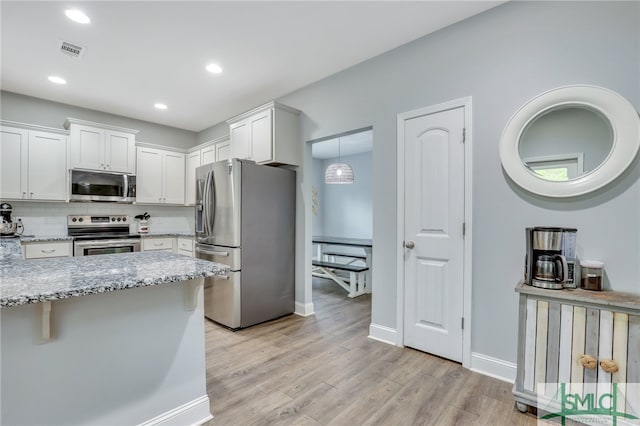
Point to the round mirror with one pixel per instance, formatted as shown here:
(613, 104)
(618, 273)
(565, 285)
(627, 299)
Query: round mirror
(570, 141)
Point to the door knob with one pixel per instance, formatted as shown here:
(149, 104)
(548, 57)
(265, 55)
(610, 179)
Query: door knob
(409, 244)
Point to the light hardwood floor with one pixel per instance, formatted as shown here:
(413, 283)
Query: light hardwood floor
(324, 370)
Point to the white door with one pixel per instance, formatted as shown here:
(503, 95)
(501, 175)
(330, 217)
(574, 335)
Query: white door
(208, 155)
(47, 166)
(239, 136)
(13, 163)
(193, 162)
(87, 147)
(222, 151)
(149, 178)
(173, 178)
(261, 137)
(120, 152)
(433, 234)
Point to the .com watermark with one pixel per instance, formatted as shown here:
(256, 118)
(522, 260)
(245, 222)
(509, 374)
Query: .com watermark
(616, 404)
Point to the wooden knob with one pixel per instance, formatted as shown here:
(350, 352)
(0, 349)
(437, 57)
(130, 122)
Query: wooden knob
(588, 361)
(609, 365)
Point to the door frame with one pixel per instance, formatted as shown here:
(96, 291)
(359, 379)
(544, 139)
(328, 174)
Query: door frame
(466, 103)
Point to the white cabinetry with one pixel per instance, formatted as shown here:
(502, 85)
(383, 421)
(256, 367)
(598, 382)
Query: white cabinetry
(41, 250)
(33, 164)
(101, 147)
(158, 244)
(185, 246)
(160, 177)
(267, 134)
(209, 152)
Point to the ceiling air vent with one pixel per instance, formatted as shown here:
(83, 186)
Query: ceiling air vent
(71, 49)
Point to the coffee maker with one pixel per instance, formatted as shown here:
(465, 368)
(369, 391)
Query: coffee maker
(551, 257)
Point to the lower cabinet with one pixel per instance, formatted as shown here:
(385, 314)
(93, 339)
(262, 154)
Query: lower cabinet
(577, 342)
(158, 244)
(41, 250)
(185, 246)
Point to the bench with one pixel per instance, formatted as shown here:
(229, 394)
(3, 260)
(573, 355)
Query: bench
(331, 256)
(357, 284)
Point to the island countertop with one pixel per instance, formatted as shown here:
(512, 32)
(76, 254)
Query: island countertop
(40, 280)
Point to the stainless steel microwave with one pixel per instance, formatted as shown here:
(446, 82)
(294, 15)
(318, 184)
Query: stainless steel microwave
(114, 187)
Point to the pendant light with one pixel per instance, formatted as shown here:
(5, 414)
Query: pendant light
(339, 173)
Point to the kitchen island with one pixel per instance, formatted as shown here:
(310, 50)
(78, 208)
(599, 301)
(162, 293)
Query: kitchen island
(110, 339)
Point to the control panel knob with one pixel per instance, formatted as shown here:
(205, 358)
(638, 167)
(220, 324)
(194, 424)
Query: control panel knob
(80, 220)
(119, 219)
(124, 219)
(74, 219)
(113, 219)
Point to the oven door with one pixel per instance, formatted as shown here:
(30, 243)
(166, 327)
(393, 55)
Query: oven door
(95, 247)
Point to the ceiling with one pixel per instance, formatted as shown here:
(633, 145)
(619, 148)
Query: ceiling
(352, 144)
(141, 53)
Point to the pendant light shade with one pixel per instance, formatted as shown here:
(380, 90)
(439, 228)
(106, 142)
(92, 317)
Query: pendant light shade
(339, 173)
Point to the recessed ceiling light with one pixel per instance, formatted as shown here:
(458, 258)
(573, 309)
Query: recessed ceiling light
(77, 16)
(57, 80)
(214, 68)
(160, 106)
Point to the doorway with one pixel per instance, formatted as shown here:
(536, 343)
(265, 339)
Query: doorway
(434, 224)
(341, 213)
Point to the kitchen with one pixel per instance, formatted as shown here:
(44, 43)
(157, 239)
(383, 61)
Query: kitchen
(502, 58)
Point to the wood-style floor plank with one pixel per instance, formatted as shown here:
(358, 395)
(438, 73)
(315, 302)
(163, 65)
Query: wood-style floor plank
(323, 370)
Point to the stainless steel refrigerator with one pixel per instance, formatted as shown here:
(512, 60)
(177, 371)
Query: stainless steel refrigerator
(245, 218)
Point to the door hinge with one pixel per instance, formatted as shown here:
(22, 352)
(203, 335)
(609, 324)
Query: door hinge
(464, 134)
(464, 228)
(462, 323)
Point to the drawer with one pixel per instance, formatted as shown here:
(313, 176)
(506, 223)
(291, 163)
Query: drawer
(225, 255)
(157, 244)
(185, 244)
(185, 252)
(44, 250)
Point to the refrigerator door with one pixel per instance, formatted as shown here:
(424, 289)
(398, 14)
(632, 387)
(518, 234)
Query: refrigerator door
(218, 206)
(222, 299)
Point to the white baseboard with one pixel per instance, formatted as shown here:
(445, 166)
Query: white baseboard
(192, 413)
(304, 310)
(493, 367)
(383, 334)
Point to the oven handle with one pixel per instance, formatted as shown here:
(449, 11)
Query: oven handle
(106, 243)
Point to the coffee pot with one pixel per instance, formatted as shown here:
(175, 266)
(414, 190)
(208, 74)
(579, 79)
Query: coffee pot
(550, 257)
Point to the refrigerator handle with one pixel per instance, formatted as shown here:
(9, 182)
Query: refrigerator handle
(212, 252)
(205, 204)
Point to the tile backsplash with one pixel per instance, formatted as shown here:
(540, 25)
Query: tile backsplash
(50, 219)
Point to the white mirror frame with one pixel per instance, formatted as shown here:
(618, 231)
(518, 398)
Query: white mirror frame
(624, 121)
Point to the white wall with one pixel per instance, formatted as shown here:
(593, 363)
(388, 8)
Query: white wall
(50, 219)
(27, 109)
(319, 186)
(501, 58)
(347, 210)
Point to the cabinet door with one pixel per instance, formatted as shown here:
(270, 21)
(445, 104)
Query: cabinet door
(208, 155)
(149, 177)
(87, 147)
(120, 152)
(13, 163)
(239, 138)
(47, 166)
(193, 162)
(223, 151)
(173, 178)
(261, 137)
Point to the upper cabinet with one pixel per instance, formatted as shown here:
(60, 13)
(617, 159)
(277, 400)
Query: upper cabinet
(161, 176)
(269, 134)
(209, 152)
(96, 146)
(33, 164)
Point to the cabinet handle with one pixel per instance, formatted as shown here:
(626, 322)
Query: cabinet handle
(609, 365)
(31, 195)
(588, 361)
(158, 244)
(24, 195)
(102, 165)
(49, 251)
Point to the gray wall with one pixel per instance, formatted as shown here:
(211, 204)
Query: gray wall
(213, 132)
(501, 58)
(27, 109)
(347, 210)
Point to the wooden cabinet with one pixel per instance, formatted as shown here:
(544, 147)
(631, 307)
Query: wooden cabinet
(575, 337)
(158, 244)
(209, 152)
(33, 164)
(267, 135)
(97, 146)
(41, 250)
(161, 176)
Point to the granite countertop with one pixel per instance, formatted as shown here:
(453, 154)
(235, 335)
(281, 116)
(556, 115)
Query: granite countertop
(40, 280)
(44, 238)
(167, 234)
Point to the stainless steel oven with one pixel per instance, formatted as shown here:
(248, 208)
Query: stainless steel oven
(108, 246)
(94, 235)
